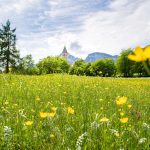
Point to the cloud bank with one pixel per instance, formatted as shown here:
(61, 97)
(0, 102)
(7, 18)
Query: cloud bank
(45, 26)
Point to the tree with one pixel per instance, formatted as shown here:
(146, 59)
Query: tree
(110, 68)
(103, 67)
(124, 65)
(50, 65)
(79, 67)
(98, 68)
(8, 52)
(25, 66)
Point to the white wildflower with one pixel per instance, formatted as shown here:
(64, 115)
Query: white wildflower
(145, 125)
(94, 125)
(114, 131)
(7, 133)
(142, 140)
(80, 141)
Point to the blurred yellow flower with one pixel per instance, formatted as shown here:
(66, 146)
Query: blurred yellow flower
(129, 106)
(43, 114)
(52, 114)
(70, 110)
(37, 99)
(47, 114)
(6, 103)
(121, 100)
(124, 120)
(140, 54)
(117, 134)
(54, 108)
(28, 123)
(104, 119)
(52, 136)
(122, 113)
(147, 51)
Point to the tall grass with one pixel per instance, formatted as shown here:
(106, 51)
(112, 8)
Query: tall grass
(90, 99)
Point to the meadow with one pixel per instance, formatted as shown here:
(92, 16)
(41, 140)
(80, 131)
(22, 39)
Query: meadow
(62, 112)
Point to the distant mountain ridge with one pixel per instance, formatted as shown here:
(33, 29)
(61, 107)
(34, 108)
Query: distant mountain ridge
(97, 55)
(71, 59)
(90, 58)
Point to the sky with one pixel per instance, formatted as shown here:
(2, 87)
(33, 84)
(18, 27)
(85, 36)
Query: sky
(44, 27)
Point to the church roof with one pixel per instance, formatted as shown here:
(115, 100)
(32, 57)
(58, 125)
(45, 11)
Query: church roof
(64, 50)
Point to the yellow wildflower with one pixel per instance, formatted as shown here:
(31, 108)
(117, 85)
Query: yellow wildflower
(52, 136)
(101, 108)
(28, 123)
(54, 109)
(124, 120)
(121, 100)
(6, 103)
(43, 114)
(15, 104)
(70, 110)
(129, 106)
(52, 114)
(147, 51)
(117, 134)
(122, 113)
(104, 119)
(37, 99)
(140, 54)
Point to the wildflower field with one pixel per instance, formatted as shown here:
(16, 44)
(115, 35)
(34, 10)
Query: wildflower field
(72, 113)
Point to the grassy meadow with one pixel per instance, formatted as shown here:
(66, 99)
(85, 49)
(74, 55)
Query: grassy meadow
(65, 112)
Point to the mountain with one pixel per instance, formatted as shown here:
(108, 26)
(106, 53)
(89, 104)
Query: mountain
(97, 55)
(71, 59)
(90, 58)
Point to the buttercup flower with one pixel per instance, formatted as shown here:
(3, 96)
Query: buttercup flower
(52, 114)
(121, 100)
(54, 108)
(117, 134)
(70, 110)
(122, 113)
(124, 120)
(43, 114)
(52, 136)
(129, 106)
(28, 123)
(104, 119)
(140, 54)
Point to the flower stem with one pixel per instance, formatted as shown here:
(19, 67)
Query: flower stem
(146, 67)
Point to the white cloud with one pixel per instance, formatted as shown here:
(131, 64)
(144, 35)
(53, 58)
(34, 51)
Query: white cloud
(122, 24)
(113, 29)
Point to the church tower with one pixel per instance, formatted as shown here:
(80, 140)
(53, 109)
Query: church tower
(64, 53)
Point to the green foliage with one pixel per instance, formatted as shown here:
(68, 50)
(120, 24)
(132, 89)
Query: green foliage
(22, 98)
(8, 52)
(103, 67)
(50, 65)
(98, 68)
(25, 66)
(110, 68)
(124, 65)
(79, 67)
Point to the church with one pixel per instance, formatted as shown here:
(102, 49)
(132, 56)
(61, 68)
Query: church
(64, 53)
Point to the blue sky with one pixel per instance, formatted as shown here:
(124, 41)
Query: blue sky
(84, 26)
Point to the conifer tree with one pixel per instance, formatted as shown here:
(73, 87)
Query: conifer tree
(8, 52)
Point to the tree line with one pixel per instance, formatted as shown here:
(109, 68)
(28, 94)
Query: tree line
(11, 61)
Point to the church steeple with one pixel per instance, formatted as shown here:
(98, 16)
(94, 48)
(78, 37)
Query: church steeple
(64, 52)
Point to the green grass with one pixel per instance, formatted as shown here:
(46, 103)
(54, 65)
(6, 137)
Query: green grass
(22, 98)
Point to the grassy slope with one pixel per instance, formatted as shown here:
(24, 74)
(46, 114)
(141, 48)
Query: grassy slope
(23, 97)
